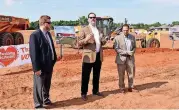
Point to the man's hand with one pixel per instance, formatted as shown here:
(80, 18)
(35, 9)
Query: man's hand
(131, 53)
(89, 37)
(38, 73)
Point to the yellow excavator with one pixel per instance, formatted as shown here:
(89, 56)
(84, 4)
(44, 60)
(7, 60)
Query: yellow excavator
(104, 23)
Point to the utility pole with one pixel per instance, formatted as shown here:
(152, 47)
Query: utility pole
(125, 22)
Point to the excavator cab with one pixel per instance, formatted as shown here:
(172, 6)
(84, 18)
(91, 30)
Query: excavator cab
(106, 25)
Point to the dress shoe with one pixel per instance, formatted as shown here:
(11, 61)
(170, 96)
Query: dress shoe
(47, 102)
(39, 107)
(84, 97)
(132, 90)
(98, 94)
(129, 89)
(121, 90)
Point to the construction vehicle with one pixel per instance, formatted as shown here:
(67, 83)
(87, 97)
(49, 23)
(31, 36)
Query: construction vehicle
(9, 26)
(103, 23)
(146, 39)
(117, 30)
(106, 24)
(151, 39)
(161, 36)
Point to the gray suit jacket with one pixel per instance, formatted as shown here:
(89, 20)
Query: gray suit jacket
(121, 48)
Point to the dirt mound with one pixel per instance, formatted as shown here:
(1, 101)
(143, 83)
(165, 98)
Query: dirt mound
(70, 57)
(154, 50)
(111, 52)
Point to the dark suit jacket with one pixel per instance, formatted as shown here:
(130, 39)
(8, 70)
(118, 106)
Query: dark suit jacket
(40, 52)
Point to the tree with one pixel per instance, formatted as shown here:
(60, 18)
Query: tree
(157, 24)
(175, 23)
(34, 25)
(83, 20)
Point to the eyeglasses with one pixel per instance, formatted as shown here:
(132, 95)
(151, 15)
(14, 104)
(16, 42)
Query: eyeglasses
(92, 17)
(48, 22)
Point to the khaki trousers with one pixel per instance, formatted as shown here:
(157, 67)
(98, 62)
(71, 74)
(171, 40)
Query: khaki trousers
(129, 67)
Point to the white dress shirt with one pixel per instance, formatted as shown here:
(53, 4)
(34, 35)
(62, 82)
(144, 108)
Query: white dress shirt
(128, 43)
(96, 37)
(49, 41)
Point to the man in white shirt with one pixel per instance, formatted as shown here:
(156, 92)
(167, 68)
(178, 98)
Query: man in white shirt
(96, 36)
(92, 39)
(125, 46)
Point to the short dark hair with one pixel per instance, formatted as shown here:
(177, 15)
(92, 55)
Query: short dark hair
(43, 19)
(91, 13)
(125, 25)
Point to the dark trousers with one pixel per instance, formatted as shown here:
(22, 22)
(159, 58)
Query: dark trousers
(41, 88)
(86, 70)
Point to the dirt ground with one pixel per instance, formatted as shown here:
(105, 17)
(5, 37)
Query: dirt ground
(156, 82)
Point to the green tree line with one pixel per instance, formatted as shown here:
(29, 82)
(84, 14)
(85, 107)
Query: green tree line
(84, 21)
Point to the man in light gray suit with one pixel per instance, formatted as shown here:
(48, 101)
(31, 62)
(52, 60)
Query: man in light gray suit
(125, 46)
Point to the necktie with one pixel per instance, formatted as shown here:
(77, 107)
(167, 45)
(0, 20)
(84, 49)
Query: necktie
(46, 36)
(48, 40)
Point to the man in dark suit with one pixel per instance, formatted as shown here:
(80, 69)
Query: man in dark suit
(43, 57)
(92, 39)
